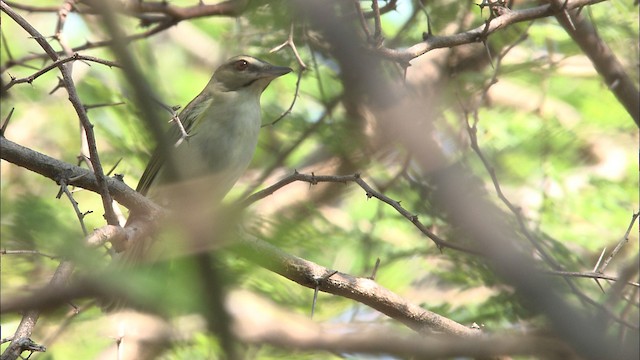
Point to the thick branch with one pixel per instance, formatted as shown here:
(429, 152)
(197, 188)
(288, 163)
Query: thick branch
(55, 170)
(225, 8)
(603, 59)
(363, 290)
(508, 17)
(74, 98)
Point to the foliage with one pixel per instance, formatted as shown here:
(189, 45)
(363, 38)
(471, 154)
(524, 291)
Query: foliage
(563, 148)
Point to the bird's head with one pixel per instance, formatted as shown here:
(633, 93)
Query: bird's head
(246, 72)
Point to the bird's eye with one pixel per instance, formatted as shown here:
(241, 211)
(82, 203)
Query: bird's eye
(241, 65)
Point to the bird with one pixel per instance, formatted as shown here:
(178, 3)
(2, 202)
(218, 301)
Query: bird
(222, 124)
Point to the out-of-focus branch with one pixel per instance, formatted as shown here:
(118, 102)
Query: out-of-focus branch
(19, 342)
(456, 196)
(178, 13)
(162, 14)
(161, 9)
(281, 328)
(299, 270)
(507, 17)
(603, 59)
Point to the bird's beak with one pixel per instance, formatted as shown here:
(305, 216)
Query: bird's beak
(275, 71)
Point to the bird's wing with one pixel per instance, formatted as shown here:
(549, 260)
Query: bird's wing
(189, 117)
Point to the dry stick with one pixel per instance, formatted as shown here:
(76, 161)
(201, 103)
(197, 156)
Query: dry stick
(585, 36)
(290, 43)
(303, 67)
(85, 136)
(30, 8)
(288, 271)
(64, 189)
(5, 123)
(144, 99)
(473, 137)
(64, 10)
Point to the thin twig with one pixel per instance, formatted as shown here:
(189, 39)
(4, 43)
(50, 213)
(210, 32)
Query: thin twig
(369, 191)
(590, 275)
(622, 242)
(296, 94)
(5, 123)
(27, 252)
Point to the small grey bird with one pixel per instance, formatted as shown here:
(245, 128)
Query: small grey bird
(222, 124)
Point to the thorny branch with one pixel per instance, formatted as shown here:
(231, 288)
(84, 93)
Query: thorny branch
(77, 104)
(29, 79)
(370, 192)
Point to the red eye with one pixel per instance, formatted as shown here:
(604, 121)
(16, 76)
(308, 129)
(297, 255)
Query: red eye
(241, 65)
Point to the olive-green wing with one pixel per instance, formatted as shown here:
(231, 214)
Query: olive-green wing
(189, 117)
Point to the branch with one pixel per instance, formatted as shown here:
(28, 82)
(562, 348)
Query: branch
(591, 275)
(370, 192)
(603, 59)
(508, 17)
(29, 79)
(67, 77)
(281, 328)
(299, 270)
(364, 290)
(621, 243)
(230, 8)
(169, 15)
(21, 341)
(56, 170)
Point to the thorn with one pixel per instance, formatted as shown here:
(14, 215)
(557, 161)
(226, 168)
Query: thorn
(6, 122)
(375, 269)
(486, 46)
